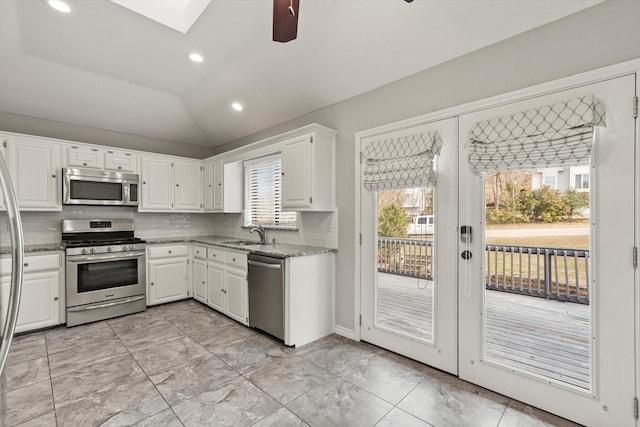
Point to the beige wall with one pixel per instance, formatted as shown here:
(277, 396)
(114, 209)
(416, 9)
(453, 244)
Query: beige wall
(599, 36)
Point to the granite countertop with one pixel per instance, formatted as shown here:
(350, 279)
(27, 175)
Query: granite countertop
(40, 247)
(279, 250)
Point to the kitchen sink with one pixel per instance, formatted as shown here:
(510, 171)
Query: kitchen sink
(242, 242)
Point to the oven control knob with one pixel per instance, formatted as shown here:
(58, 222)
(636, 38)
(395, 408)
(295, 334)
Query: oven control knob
(83, 251)
(108, 248)
(92, 250)
(125, 248)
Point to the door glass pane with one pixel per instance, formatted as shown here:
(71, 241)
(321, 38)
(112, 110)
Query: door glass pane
(104, 275)
(405, 249)
(537, 272)
(93, 190)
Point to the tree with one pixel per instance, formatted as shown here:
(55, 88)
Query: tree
(575, 201)
(393, 221)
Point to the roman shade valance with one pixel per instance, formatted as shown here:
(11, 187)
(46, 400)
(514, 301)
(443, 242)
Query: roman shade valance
(554, 135)
(401, 162)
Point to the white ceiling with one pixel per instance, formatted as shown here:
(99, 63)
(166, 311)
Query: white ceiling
(106, 67)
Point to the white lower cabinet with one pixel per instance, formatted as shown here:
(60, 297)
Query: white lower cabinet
(167, 273)
(227, 283)
(236, 294)
(41, 302)
(200, 280)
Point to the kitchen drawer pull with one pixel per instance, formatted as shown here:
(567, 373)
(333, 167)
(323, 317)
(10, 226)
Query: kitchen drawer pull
(169, 251)
(264, 264)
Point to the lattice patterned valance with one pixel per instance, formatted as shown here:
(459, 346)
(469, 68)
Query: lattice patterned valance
(402, 162)
(554, 135)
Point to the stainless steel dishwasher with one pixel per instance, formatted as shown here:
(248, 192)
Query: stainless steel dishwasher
(266, 294)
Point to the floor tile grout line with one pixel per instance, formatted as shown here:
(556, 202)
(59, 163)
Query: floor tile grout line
(53, 396)
(148, 379)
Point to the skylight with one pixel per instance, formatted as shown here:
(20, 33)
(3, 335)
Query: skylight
(177, 14)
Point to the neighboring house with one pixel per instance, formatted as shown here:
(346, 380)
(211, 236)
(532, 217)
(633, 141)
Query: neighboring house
(562, 179)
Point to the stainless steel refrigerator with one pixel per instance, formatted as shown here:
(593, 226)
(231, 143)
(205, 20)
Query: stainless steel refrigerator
(17, 258)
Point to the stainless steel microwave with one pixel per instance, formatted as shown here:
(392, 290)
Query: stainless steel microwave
(98, 187)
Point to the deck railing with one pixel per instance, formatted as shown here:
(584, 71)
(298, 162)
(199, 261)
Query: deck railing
(406, 257)
(551, 273)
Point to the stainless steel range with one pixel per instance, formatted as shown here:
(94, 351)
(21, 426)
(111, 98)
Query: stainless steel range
(105, 268)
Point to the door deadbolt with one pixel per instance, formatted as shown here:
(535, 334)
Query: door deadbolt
(466, 254)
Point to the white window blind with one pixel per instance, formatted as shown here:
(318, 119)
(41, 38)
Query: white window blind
(552, 135)
(263, 192)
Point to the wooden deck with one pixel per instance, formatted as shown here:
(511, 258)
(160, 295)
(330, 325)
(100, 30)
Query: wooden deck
(549, 338)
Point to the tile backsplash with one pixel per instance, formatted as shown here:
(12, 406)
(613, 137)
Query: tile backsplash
(45, 227)
(314, 229)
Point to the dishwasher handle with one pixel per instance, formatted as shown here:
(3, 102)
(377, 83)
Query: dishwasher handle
(264, 264)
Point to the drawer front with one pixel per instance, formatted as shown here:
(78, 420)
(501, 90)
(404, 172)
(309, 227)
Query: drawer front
(215, 254)
(237, 259)
(199, 252)
(33, 263)
(168, 251)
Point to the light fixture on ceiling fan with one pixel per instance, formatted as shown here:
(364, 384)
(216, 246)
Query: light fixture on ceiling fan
(285, 19)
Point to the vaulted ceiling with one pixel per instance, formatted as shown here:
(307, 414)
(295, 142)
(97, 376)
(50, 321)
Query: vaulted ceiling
(107, 67)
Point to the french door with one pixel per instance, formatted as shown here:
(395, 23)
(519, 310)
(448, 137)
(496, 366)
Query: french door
(409, 280)
(549, 323)
(571, 353)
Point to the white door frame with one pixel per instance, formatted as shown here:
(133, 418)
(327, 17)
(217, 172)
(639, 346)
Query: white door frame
(624, 68)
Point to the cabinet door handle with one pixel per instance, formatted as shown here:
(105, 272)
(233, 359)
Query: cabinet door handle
(177, 185)
(144, 182)
(84, 164)
(53, 175)
(119, 167)
(26, 264)
(151, 283)
(56, 299)
(234, 260)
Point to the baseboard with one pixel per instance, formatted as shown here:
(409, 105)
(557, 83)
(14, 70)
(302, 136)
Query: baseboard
(344, 332)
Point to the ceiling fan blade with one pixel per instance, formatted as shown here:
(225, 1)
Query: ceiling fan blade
(285, 20)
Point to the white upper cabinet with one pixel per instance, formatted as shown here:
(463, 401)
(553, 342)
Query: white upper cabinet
(157, 184)
(85, 157)
(170, 185)
(223, 186)
(187, 181)
(35, 171)
(218, 185)
(308, 172)
(121, 161)
(82, 156)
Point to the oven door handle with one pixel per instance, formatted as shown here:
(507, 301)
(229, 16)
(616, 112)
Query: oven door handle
(106, 305)
(106, 257)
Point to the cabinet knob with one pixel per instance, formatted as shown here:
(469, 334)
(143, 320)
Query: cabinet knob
(169, 251)
(53, 175)
(144, 182)
(234, 260)
(84, 164)
(209, 185)
(119, 167)
(26, 264)
(219, 183)
(151, 283)
(177, 185)
(56, 299)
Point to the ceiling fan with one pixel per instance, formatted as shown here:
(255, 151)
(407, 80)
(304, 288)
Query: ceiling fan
(285, 19)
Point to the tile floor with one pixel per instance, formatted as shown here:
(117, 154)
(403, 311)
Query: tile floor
(183, 364)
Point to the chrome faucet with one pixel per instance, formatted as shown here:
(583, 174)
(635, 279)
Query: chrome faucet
(261, 232)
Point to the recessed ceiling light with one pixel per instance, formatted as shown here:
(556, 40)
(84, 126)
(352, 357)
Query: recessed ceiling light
(237, 106)
(59, 5)
(196, 57)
